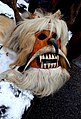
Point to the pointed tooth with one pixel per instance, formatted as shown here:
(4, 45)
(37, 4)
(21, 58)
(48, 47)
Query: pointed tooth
(44, 66)
(48, 65)
(40, 58)
(46, 56)
(52, 65)
(50, 56)
(43, 57)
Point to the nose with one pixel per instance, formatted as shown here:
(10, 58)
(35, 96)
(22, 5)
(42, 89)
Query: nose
(53, 42)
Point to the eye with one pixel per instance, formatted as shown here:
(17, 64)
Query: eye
(54, 35)
(42, 36)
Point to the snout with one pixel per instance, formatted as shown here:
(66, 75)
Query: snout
(54, 43)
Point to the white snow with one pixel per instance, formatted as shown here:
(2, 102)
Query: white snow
(6, 57)
(5, 9)
(16, 105)
(70, 34)
(22, 2)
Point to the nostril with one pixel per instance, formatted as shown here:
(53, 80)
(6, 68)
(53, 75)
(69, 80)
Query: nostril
(53, 42)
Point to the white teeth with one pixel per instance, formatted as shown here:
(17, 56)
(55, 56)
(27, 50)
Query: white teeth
(51, 65)
(48, 65)
(44, 66)
(46, 56)
(40, 58)
(43, 57)
(50, 57)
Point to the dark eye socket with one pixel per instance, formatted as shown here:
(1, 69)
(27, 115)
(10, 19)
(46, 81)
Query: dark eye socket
(42, 36)
(54, 35)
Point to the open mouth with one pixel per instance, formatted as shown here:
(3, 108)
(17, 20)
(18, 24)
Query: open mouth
(46, 58)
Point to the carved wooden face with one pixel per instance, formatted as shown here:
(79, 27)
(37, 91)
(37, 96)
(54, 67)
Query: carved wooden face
(43, 39)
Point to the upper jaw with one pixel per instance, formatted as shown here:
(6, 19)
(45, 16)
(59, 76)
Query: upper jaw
(47, 58)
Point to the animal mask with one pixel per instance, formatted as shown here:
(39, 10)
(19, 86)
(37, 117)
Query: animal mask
(40, 44)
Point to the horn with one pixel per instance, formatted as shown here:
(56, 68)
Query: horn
(57, 15)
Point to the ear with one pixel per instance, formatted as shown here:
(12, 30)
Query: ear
(57, 15)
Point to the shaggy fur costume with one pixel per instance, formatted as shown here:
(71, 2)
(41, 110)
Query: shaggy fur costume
(6, 25)
(40, 45)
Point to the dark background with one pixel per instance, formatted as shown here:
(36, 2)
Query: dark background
(64, 104)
